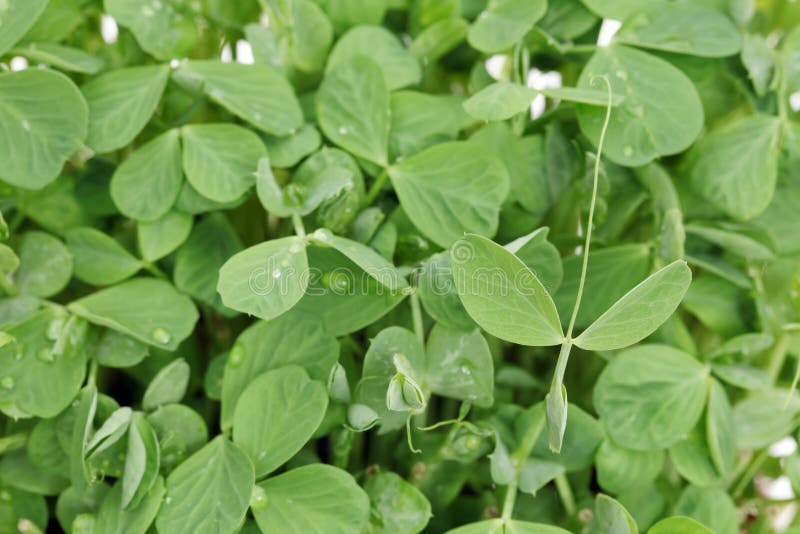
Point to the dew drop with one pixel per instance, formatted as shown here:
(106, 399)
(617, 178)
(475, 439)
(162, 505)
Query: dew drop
(465, 370)
(168, 500)
(294, 248)
(257, 116)
(323, 234)
(236, 356)
(276, 273)
(262, 454)
(54, 328)
(622, 75)
(161, 335)
(628, 151)
(216, 93)
(26, 126)
(147, 11)
(7, 382)
(343, 130)
(258, 499)
(45, 355)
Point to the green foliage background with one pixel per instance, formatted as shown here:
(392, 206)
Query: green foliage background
(243, 294)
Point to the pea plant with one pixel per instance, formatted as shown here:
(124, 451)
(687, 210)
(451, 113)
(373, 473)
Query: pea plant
(399, 266)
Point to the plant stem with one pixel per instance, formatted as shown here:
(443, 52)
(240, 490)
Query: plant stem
(376, 187)
(416, 317)
(299, 229)
(777, 356)
(565, 493)
(508, 502)
(561, 365)
(749, 473)
(518, 458)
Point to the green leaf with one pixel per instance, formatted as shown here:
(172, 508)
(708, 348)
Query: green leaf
(146, 309)
(165, 29)
(610, 517)
(540, 256)
(168, 386)
(502, 295)
(98, 258)
(198, 260)
(276, 415)
(400, 68)
(459, 365)
(582, 95)
(742, 376)
(720, 433)
(141, 462)
(640, 311)
(661, 114)
(437, 292)
(764, 417)
(265, 280)
(400, 507)
(711, 507)
(287, 151)
(147, 183)
(304, 498)
(681, 28)
(62, 57)
(220, 159)
(678, 525)
(115, 349)
(81, 426)
(420, 120)
(312, 35)
(45, 121)
(450, 189)
(180, 430)
(735, 167)
(503, 23)
(438, 39)
(353, 109)
(536, 474)
(619, 468)
(45, 265)
(255, 93)
(582, 438)
(113, 519)
(160, 237)
(17, 20)
(121, 103)
(500, 101)
(287, 340)
(650, 396)
(209, 492)
(109, 433)
(736, 243)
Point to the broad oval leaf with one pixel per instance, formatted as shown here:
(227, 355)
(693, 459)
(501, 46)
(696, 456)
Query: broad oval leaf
(120, 103)
(353, 108)
(681, 28)
(113, 519)
(98, 258)
(265, 280)
(303, 499)
(147, 309)
(640, 311)
(401, 507)
(736, 167)
(164, 29)
(678, 524)
(649, 397)
(660, 115)
(220, 160)
(160, 237)
(459, 365)
(147, 183)
(45, 264)
(18, 17)
(451, 188)
(619, 468)
(168, 386)
(45, 120)
(503, 23)
(500, 101)
(181, 431)
(399, 66)
(610, 517)
(256, 93)
(502, 295)
(209, 492)
(276, 415)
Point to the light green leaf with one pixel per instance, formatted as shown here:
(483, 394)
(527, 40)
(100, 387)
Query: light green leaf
(311, 37)
(764, 417)
(502, 295)
(288, 340)
(44, 121)
(650, 396)
(459, 365)
(209, 492)
(681, 28)
(115, 349)
(17, 18)
(180, 430)
(160, 237)
(732, 241)
(582, 95)
(256, 93)
(451, 188)
(287, 151)
(619, 468)
(735, 167)
(112, 519)
(265, 280)
(711, 507)
(98, 258)
(720, 434)
(678, 525)
(165, 29)
(147, 183)
(353, 109)
(610, 517)
(500, 101)
(220, 159)
(198, 260)
(168, 386)
(640, 311)
(147, 309)
(141, 462)
(305, 498)
(660, 115)
(742, 376)
(421, 120)
(401, 508)
(438, 39)
(399, 66)
(540, 256)
(109, 433)
(62, 57)
(121, 102)
(437, 292)
(45, 265)
(276, 415)
(536, 474)
(503, 23)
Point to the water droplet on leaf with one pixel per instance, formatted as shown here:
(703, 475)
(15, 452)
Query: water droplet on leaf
(161, 335)
(236, 356)
(7, 382)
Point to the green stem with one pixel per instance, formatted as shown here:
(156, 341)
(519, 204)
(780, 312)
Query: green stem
(154, 270)
(376, 187)
(508, 502)
(299, 229)
(565, 493)
(749, 473)
(561, 366)
(777, 356)
(416, 317)
(518, 458)
(579, 49)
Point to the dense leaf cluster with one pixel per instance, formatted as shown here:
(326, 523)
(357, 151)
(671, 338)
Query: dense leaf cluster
(301, 266)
